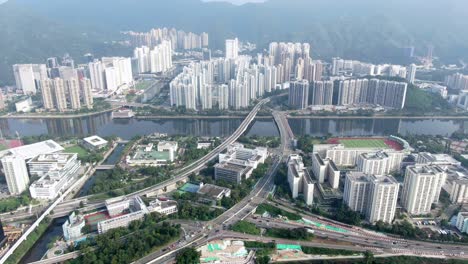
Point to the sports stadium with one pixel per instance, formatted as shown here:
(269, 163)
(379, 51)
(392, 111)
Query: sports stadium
(370, 143)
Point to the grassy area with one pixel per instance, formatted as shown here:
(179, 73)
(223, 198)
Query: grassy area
(256, 244)
(275, 211)
(328, 251)
(364, 143)
(12, 203)
(390, 260)
(246, 228)
(143, 85)
(78, 150)
(293, 234)
(23, 249)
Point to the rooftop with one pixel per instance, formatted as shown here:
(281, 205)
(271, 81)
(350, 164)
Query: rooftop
(151, 155)
(51, 158)
(95, 140)
(425, 169)
(375, 155)
(357, 176)
(33, 150)
(230, 166)
(212, 190)
(439, 158)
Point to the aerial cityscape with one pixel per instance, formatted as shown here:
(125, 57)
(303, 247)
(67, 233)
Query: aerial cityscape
(220, 133)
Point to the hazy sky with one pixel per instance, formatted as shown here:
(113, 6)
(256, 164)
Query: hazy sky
(236, 2)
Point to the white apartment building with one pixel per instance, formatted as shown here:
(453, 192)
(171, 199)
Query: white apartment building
(14, 163)
(376, 163)
(421, 188)
(376, 92)
(110, 74)
(325, 170)
(299, 94)
(232, 48)
(155, 60)
(16, 174)
(27, 76)
(356, 191)
(322, 93)
(436, 159)
(411, 76)
(459, 191)
(376, 197)
(383, 196)
(299, 179)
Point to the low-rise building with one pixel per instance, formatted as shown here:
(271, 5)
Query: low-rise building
(462, 222)
(72, 228)
(94, 143)
(239, 162)
(299, 179)
(56, 171)
(204, 144)
(163, 207)
(122, 213)
(325, 170)
(231, 172)
(459, 146)
(147, 155)
(214, 192)
(238, 154)
(24, 106)
(169, 147)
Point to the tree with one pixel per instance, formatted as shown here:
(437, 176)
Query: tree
(262, 260)
(444, 223)
(188, 256)
(368, 257)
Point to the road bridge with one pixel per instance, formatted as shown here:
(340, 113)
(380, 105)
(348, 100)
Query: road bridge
(181, 175)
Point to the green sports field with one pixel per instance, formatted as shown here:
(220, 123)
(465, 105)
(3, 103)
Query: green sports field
(364, 143)
(78, 150)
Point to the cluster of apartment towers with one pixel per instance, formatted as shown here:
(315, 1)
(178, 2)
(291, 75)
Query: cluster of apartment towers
(370, 189)
(64, 86)
(235, 80)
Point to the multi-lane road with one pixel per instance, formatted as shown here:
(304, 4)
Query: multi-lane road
(66, 207)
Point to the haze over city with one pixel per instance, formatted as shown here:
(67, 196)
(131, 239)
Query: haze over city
(241, 131)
